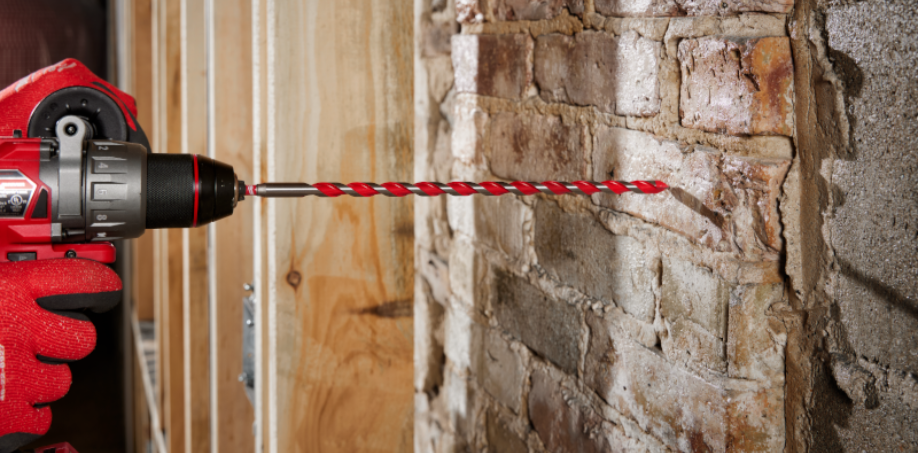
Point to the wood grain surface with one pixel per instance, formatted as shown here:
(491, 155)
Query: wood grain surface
(195, 296)
(340, 109)
(167, 250)
(230, 142)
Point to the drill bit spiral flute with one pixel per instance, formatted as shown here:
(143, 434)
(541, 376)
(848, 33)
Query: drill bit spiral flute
(432, 189)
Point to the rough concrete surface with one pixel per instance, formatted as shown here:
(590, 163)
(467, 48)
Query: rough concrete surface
(871, 226)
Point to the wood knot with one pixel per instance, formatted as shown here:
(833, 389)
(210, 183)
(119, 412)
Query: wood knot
(294, 279)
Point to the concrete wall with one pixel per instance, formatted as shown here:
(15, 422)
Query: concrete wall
(852, 217)
(766, 303)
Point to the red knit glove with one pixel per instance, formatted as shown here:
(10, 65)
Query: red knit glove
(39, 329)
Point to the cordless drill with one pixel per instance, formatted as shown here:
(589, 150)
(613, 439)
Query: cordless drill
(76, 171)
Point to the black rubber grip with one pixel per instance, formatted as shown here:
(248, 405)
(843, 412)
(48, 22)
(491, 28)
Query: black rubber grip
(170, 190)
(171, 187)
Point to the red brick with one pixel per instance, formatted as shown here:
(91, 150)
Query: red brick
(536, 148)
(728, 203)
(535, 9)
(562, 423)
(492, 65)
(737, 86)
(614, 74)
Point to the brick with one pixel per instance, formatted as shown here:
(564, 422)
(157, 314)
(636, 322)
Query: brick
(729, 7)
(509, 10)
(470, 11)
(616, 75)
(695, 293)
(499, 224)
(728, 203)
(737, 86)
(501, 439)
(550, 328)
(536, 148)
(470, 123)
(672, 8)
(637, 81)
(688, 341)
(562, 423)
(631, 8)
(496, 222)
(462, 338)
(600, 356)
(492, 65)
(756, 341)
(756, 420)
(467, 269)
(682, 410)
(577, 250)
(428, 339)
(499, 371)
(436, 38)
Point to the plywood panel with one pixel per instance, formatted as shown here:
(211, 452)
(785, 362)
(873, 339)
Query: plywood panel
(340, 108)
(196, 323)
(230, 141)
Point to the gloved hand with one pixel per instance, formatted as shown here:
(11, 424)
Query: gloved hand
(40, 329)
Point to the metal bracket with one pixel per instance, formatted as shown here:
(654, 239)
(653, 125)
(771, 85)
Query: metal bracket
(71, 132)
(247, 377)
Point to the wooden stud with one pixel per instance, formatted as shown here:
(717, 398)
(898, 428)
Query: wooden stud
(230, 141)
(259, 264)
(341, 271)
(167, 259)
(141, 88)
(194, 243)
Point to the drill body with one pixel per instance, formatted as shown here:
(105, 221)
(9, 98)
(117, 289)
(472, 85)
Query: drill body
(76, 172)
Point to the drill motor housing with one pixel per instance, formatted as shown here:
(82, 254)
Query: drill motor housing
(84, 175)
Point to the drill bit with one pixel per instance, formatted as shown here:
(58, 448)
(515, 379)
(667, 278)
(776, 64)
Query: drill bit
(432, 189)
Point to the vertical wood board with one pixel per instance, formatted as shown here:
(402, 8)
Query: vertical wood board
(341, 270)
(230, 141)
(196, 323)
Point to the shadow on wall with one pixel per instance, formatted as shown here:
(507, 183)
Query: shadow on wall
(696, 205)
(881, 290)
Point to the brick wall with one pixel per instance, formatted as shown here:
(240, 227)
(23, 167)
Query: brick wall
(611, 323)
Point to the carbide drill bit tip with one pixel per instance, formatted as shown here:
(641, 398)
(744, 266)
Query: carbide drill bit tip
(432, 189)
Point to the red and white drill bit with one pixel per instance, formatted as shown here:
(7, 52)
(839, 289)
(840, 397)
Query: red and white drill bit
(432, 189)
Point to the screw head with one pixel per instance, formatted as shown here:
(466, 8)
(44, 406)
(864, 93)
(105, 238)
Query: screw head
(248, 287)
(249, 322)
(70, 129)
(70, 254)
